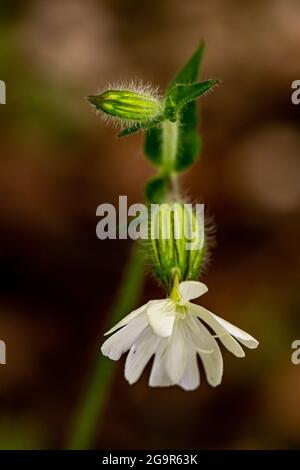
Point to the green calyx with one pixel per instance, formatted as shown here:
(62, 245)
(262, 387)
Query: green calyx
(176, 246)
(127, 105)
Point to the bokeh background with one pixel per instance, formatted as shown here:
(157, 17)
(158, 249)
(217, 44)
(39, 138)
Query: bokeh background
(58, 162)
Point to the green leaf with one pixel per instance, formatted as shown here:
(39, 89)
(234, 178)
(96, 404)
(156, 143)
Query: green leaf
(138, 127)
(189, 73)
(129, 130)
(156, 189)
(180, 95)
(152, 147)
(189, 140)
(180, 104)
(190, 143)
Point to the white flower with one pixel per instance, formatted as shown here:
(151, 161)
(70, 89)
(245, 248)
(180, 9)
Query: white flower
(174, 332)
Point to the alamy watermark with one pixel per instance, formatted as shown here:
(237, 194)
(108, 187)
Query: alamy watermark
(295, 357)
(2, 92)
(163, 221)
(2, 352)
(2, 343)
(295, 97)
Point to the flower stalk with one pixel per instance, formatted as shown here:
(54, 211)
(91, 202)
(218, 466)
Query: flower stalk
(169, 146)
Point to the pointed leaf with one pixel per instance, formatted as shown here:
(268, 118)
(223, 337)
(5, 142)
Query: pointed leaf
(153, 148)
(138, 127)
(156, 189)
(180, 95)
(180, 103)
(190, 142)
(189, 73)
(129, 130)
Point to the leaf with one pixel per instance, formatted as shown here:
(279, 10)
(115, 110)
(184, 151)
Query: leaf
(180, 95)
(189, 73)
(190, 142)
(180, 104)
(130, 130)
(156, 189)
(138, 127)
(152, 146)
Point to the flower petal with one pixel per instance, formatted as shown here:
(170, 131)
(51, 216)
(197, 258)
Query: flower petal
(228, 341)
(140, 354)
(161, 317)
(191, 376)
(159, 376)
(176, 355)
(192, 290)
(127, 319)
(242, 336)
(123, 339)
(208, 350)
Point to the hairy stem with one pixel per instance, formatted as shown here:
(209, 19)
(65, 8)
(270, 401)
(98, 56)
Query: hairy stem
(90, 412)
(169, 151)
(169, 145)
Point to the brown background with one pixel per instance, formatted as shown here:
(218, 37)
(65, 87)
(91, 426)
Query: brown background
(59, 162)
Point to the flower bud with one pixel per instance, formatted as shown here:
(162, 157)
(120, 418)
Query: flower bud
(176, 247)
(130, 106)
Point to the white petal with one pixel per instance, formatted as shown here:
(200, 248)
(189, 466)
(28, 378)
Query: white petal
(176, 355)
(228, 341)
(192, 290)
(191, 376)
(127, 319)
(159, 376)
(161, 317)
(123, 339)
(242, 336)
(140, 354)
(212, 360)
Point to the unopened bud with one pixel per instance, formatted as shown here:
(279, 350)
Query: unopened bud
(127, 105)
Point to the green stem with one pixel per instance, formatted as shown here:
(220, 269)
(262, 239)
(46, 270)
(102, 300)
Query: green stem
(169, 152)
(169, 145)
(91, 409)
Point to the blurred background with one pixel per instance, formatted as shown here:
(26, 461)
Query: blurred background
(58, 162)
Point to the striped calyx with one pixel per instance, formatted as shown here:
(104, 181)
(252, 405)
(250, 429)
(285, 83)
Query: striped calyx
(127, 105)
(176, 242)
